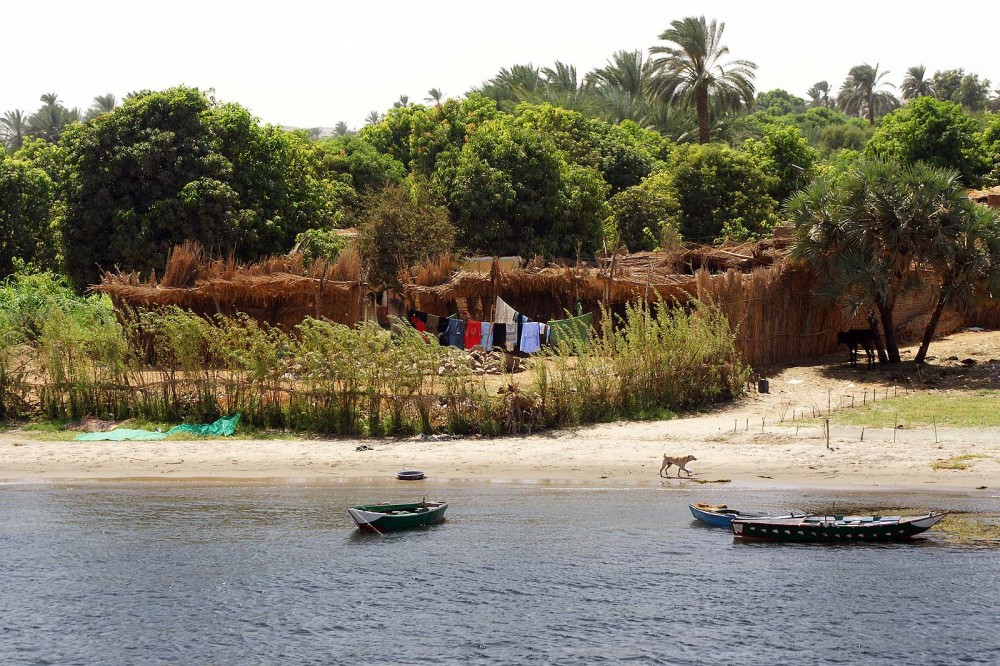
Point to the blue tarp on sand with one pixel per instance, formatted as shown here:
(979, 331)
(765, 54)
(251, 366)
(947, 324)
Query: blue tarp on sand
(224, 427)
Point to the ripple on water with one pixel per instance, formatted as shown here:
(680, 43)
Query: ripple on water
(101, 574)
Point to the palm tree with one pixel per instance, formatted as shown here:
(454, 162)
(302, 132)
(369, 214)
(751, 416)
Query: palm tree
(620, 87)
(916, 83)
(13, 129)
(691, 70)
(819, 95)
(341, 129)
(373, 118)
(403, 101)
(102, 104)
(50, 119)
(434, 95)
(860, 94)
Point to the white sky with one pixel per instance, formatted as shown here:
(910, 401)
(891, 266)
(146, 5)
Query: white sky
(312, 63)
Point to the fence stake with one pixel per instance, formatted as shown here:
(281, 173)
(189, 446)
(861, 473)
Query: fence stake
(826, 423)
(862, 433)
(935, 431)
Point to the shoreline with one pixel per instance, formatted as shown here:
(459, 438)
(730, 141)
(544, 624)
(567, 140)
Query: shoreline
(617, 454)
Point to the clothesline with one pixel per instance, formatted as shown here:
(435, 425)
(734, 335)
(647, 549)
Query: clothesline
(510, 330)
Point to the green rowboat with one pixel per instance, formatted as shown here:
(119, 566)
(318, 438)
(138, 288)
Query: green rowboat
(384, 517)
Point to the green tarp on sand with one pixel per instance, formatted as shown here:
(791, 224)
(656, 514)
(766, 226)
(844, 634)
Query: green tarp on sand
(224, 427)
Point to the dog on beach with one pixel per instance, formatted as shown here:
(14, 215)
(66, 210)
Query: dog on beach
(668, 461)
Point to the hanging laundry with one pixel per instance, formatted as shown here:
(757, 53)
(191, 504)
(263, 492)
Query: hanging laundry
(574, 329)
(510, 339)
(473, 334)
(486, 333)
(418, 319)
(498, 332)
(504, 314)
(433, 324)
(456, 333)
(530, 337)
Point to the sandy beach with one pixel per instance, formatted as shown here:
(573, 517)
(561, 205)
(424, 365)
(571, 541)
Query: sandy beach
(753, 440)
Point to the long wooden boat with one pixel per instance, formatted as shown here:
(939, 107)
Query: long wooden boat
(836, 529)
(384, 517)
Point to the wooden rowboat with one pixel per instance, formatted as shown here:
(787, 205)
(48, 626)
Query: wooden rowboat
(720, 515)
(385, 517)
(836, 529)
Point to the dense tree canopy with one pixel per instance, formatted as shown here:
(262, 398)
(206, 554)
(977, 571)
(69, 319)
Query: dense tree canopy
(932, 131)
(26, 197)
(721, 192)
(172, 166)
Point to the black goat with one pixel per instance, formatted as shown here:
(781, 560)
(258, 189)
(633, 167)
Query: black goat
(856, 337)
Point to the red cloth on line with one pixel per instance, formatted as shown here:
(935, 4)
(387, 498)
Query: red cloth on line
(473, 334)
(417, 324)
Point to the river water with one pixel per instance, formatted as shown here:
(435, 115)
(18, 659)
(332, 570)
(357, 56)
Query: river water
(519, 573)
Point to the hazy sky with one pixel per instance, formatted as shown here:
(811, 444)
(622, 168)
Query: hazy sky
(312, 63)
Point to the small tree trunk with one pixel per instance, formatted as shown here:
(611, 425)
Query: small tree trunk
(931, 326)
(701, 106)
(879, 347)
(891, 347)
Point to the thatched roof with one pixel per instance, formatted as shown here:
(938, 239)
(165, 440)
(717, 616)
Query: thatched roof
(279, 290)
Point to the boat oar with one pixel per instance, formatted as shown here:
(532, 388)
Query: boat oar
(374, 529)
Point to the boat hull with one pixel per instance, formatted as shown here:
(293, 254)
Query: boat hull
(390, 517)
(834, 529)
(720, 517)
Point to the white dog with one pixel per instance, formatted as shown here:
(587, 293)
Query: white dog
(680, 462)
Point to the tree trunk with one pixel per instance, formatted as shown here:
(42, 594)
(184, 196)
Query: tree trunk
(701, 105)
(931, 327)
(891, 347)
(879, 347)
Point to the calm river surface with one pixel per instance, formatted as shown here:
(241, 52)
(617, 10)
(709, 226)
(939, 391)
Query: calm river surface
(520, 573)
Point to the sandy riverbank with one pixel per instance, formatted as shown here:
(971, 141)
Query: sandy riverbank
(730, 443)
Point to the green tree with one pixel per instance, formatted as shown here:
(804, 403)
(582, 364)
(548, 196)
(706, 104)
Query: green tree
(13, 129)
(932, 131)
(400, 228)
(434, 95)
(916, 83)
(967, 89)
(819, 96)
(510, 191)
(964, 250)
(26, 198)
(784, 155)
(861, 94)
(991, 144)
(171, 166)
(102, 104)
(869, 232)
(49, 121)
(620, 87)
(341, 128)
(691, 71)
(779, 102)
(645, 215)
(722, 193)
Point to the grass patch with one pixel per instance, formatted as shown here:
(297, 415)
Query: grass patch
(957, 462)
(972, 530)
(980, 409)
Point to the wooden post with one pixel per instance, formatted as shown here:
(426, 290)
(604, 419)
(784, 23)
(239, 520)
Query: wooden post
(826, 424)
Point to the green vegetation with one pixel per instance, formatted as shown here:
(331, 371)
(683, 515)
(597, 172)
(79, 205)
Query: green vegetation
(978, 410)
(63, 357)
(870, 231)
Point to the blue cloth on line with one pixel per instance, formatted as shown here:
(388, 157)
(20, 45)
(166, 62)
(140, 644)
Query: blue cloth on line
(456, 333)
(530, 343)
(487, 335)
